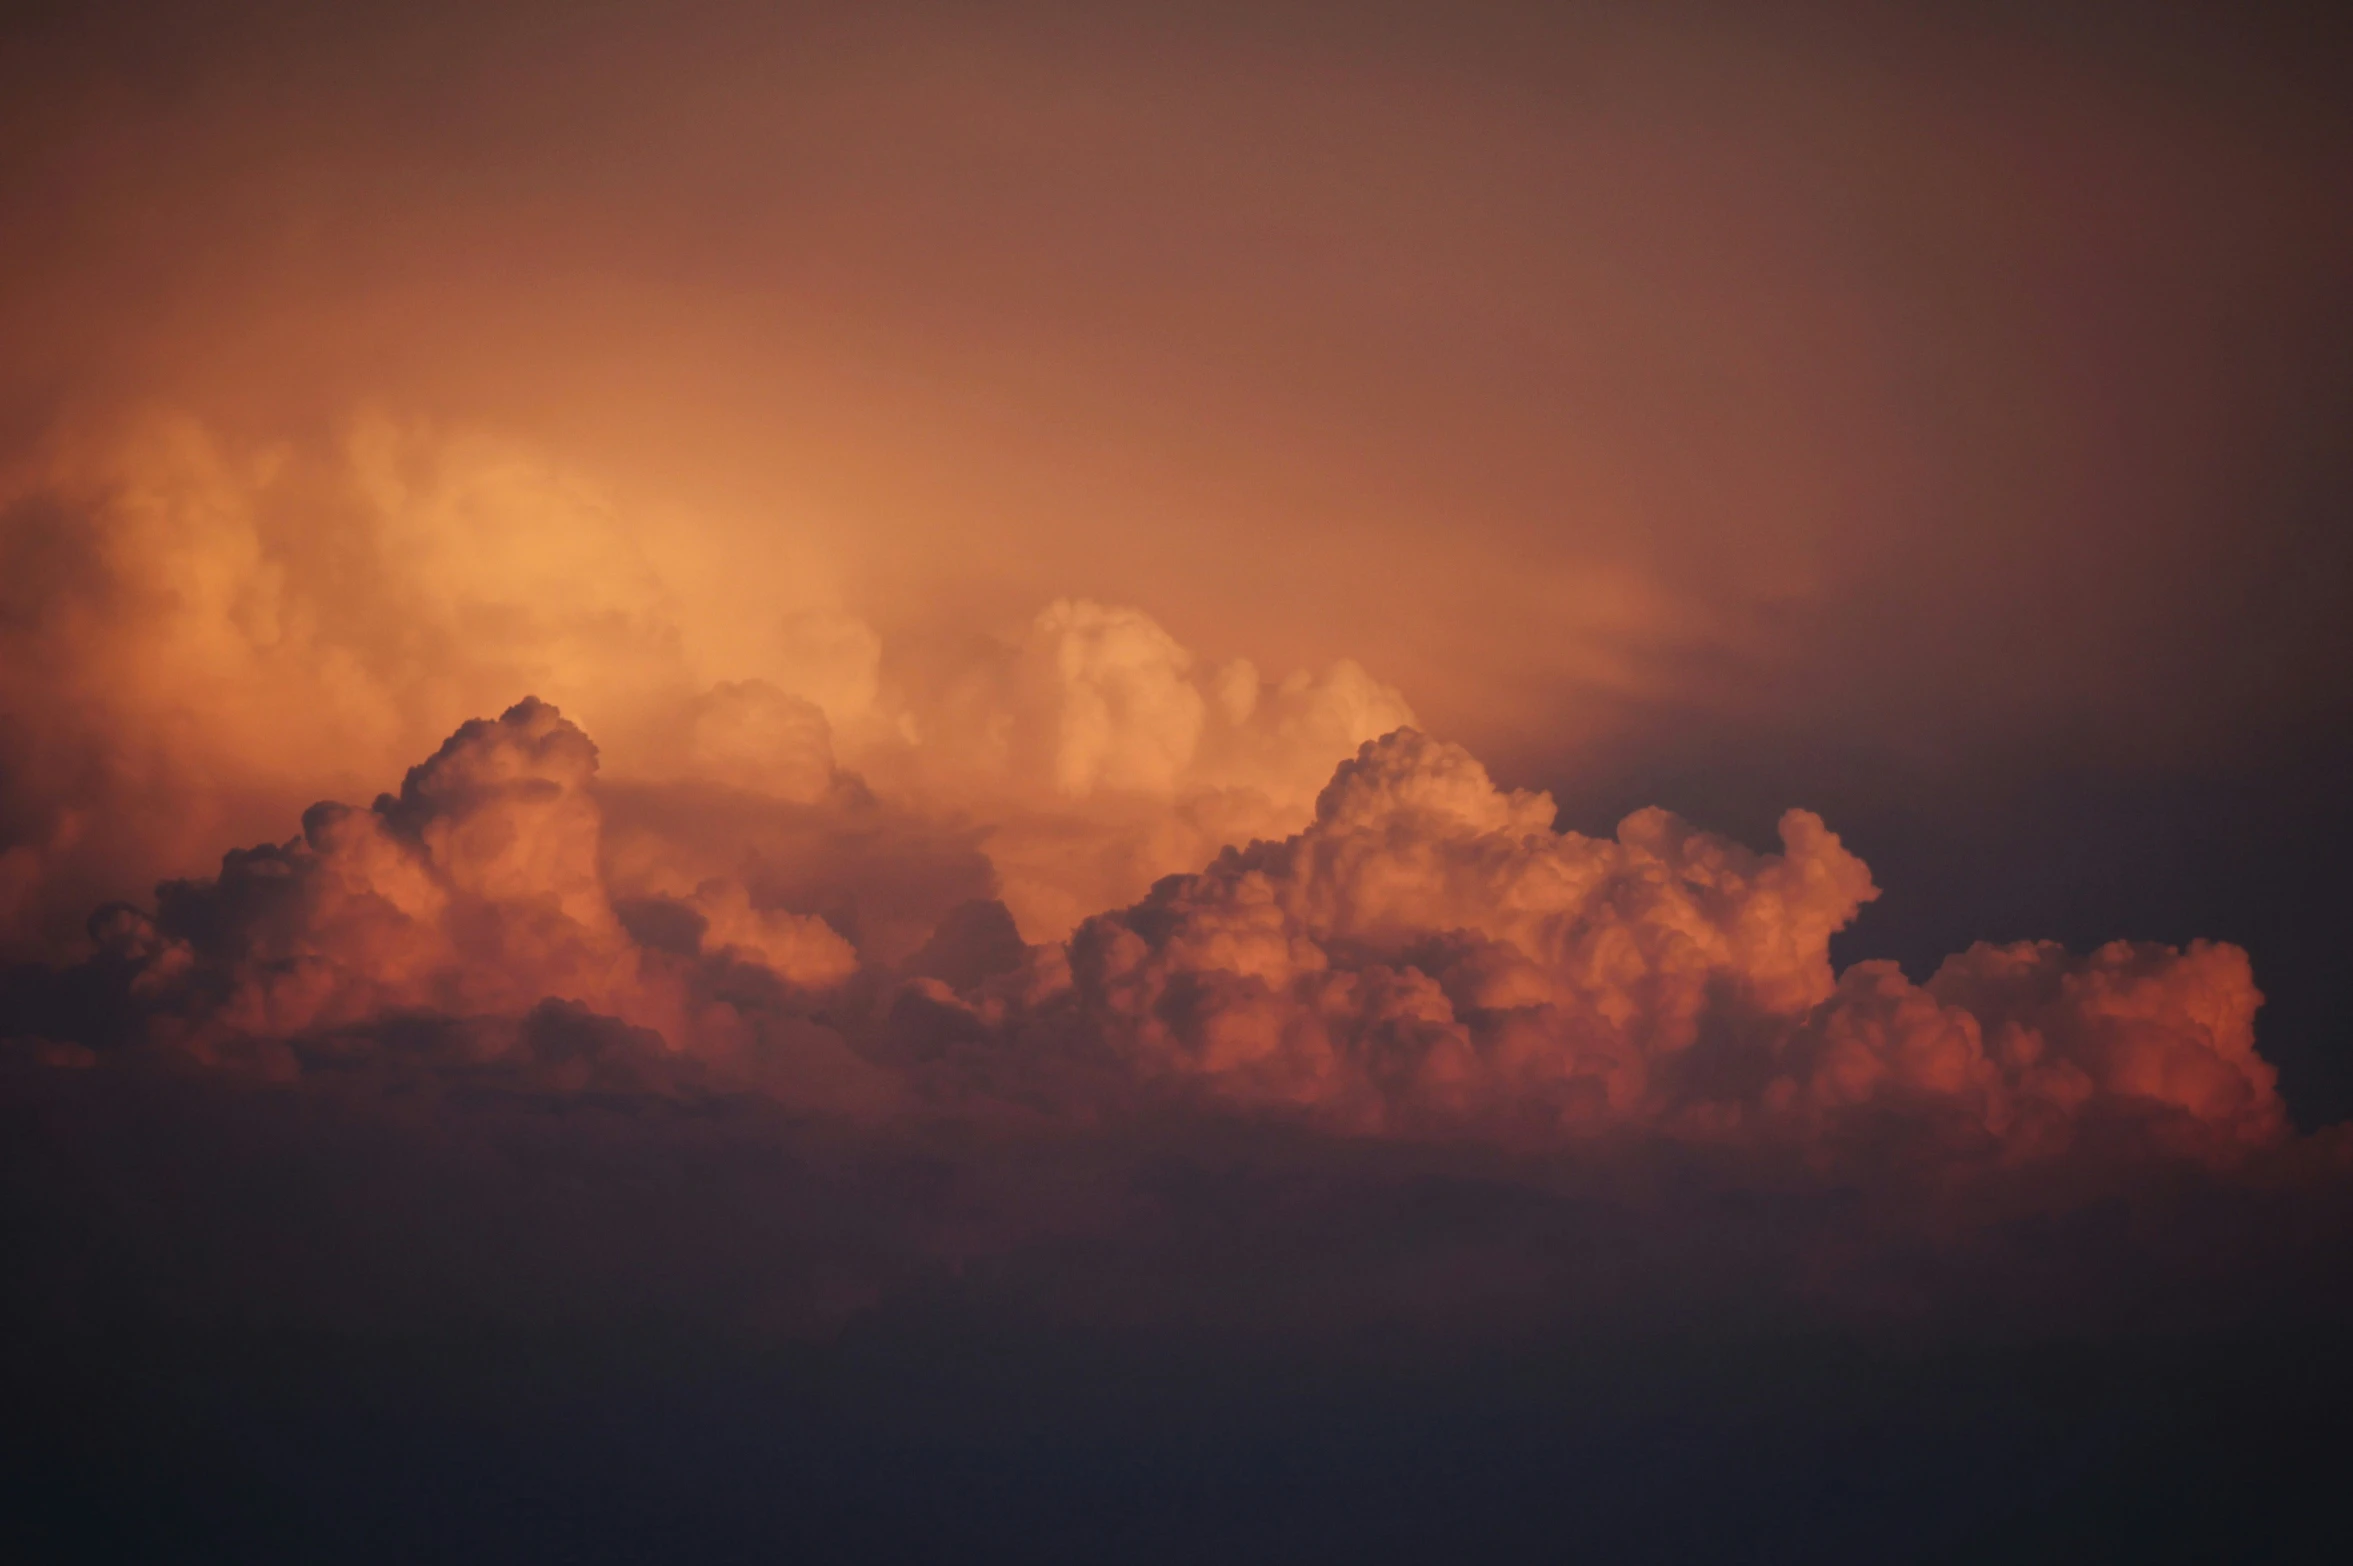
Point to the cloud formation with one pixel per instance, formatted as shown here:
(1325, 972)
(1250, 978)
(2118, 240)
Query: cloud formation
(174, 596)
(1058, 880)
(473, 900)
(953, 894)
(1430, 952)
(1428, 957)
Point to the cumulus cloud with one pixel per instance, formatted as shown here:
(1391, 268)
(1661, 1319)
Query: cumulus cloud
(1427, 957)
(948, 877)
(1060, 886)
(466, 919)
(174, 594)
(519, 1045)
(1105, 755)
(1430, 952)
(203, 635)
(749, 735)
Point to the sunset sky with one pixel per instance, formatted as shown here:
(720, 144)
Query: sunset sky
(1038, 746)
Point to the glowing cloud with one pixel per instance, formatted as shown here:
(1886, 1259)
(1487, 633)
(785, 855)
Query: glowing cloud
(1427, 957)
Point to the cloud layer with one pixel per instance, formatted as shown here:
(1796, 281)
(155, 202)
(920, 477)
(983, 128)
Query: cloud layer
(1427, 958)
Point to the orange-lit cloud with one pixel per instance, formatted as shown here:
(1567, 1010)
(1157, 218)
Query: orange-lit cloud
(1429, 952)
(1427, 957)
(202, 638)
(1004, 527)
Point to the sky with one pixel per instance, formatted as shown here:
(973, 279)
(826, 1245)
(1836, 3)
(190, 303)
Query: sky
(1010, 752)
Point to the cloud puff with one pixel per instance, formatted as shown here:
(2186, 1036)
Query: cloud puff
(1104, 754)
(749, 735)
(475, 899)
(1429, 951)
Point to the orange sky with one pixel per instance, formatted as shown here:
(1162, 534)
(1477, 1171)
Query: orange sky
(1546, 371)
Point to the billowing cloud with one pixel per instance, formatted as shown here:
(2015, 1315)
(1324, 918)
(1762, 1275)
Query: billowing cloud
(893, 616)
(1430, 952)
(174, 598)
(203, 635)
(1107, 755)
(1427, 957)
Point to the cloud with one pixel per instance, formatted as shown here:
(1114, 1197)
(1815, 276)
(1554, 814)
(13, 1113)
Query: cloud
(1428, 957)
(202, 635)
(995, 932)
(523, 1050)
(749, 735)
(1105, 755)
(464, 922)
(175, 593)
(1430, 952)
(1024, 941)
